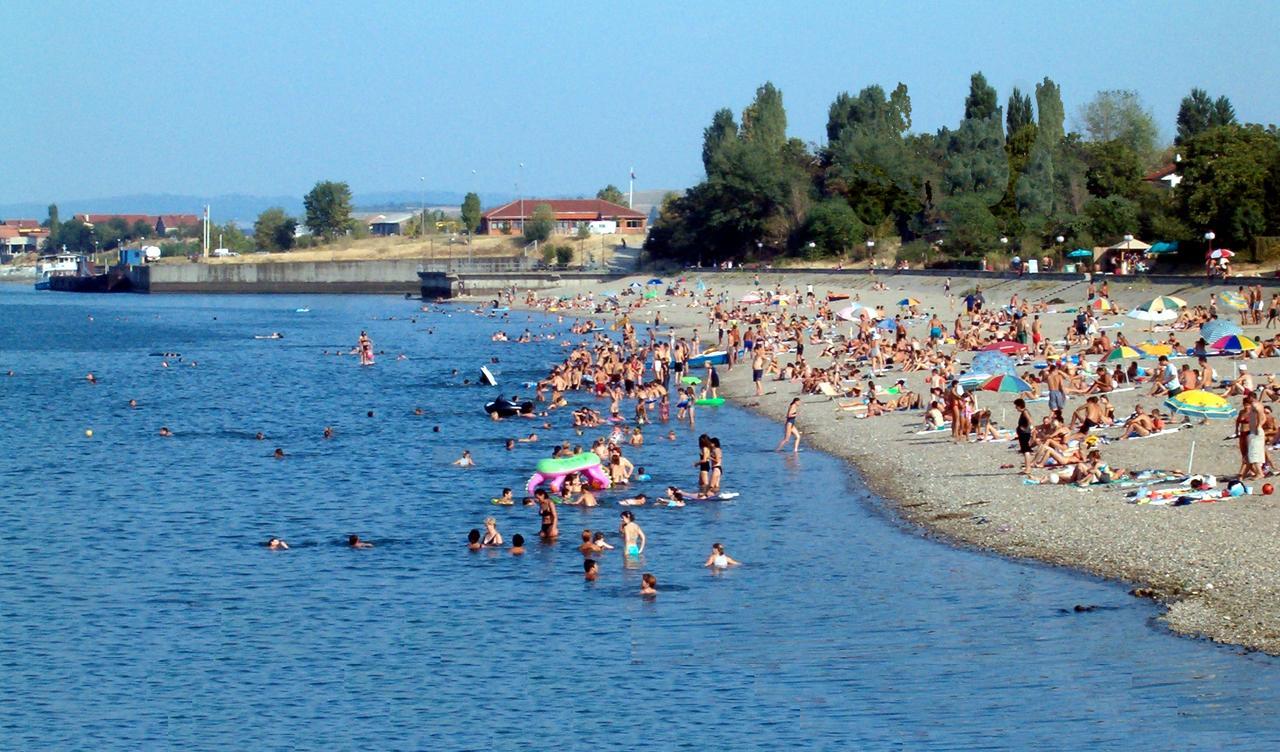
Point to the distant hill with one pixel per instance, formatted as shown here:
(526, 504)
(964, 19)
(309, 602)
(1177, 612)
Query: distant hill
(244, 208)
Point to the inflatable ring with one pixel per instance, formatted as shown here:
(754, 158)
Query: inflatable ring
(709, 401)
(554, 471)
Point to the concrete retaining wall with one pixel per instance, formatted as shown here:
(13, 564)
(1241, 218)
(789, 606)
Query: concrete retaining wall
(300, 277)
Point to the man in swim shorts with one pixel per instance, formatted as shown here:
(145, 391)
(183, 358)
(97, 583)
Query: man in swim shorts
(632, 536)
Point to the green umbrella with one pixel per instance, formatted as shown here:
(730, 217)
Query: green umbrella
(1080, 253)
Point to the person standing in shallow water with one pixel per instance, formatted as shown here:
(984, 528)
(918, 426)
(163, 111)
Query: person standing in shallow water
(633, 538)
(550, 518)
(790, 431)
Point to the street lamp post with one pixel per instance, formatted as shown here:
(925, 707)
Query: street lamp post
(1057, 248)
(422, 223)
(871, 249)
(1208, 238)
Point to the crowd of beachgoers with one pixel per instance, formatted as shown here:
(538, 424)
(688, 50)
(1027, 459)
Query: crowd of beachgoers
(1071, 385)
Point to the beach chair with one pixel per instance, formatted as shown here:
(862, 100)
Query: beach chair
(828, 390)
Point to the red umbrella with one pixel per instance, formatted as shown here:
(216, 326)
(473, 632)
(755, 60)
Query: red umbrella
(1218, 253)
(1008, 347)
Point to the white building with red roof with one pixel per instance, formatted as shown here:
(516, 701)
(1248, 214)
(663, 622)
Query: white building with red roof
(599, 215)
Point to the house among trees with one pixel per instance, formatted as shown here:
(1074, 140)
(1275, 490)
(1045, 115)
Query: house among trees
(162, 223)
(386, 223)
(18, 236)
(1166, 177)
(569, 213)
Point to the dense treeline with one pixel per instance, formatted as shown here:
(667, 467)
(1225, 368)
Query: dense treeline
(1014, 172)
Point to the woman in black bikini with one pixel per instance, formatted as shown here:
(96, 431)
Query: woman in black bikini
(547, 510)
(704, 462)
(791, 431)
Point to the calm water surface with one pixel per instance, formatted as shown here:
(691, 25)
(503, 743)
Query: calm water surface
(139, 609)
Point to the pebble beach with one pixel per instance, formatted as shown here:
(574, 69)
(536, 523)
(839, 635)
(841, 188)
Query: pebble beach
(1210, 564)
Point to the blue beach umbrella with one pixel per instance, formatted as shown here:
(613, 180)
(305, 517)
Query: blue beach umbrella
(887, 324)
(1214, 330)
(994, 363)
(655, 281)
(1081, 253)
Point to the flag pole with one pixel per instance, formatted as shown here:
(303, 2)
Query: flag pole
(631, 190)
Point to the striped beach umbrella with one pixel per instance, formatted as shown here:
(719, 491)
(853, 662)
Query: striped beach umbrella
(1166, 314)
(1235, 343)
(908, 302)
(1123, 353)
(1198, 403)
(1101, 304)
(1232, 300)
(992, 363)
(1164, 303)
(1005, 383)
(1221, 253)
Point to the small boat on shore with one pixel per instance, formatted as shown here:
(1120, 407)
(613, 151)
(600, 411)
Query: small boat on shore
(62, 265)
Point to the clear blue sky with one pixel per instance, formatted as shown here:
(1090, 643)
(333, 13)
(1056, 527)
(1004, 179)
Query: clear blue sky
(130, 96)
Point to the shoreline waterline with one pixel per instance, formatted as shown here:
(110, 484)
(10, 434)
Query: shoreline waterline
(1057, 526)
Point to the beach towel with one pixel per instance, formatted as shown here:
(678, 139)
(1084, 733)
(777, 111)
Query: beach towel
(1171, 429)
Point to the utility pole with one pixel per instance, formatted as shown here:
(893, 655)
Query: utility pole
(204, 241)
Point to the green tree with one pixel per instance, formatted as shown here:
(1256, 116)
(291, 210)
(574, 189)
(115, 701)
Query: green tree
(541, 225)
(722, 132)
(870, 111)
(611, 194)
(1018, 112)
(981, 102)
(1111, 218)
(1113, 170)
(764, 121)
(868, 162)
(1120, 115)
(583, 231)
(471, 214)
(833, 228)
(971, 227)
(976, 159)
(564, 255)
(274, 231)
(1227, 176)
(1198, 113)
(328, 209)
(141, 229)
(76, 236)
(51, 243)
(1051, 116)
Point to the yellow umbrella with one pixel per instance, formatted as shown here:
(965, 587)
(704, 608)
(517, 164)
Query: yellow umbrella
(1156, 349)
(1201, 404)
(1163, 303)
(1122, 352)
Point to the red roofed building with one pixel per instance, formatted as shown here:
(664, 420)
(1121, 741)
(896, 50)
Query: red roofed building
(1166, 177)
(603, 217)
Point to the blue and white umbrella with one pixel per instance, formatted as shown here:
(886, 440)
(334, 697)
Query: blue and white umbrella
(1214, 330)
(993, 363)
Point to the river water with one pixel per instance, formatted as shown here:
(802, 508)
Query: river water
(140, 610)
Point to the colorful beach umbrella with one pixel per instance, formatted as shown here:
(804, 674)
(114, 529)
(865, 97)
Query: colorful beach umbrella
(908, 302)
(1221, 253)
(1123, 353)
(1235, 343)
(1163, 247)
(1101, 304)
(1164, 303)
(1007, 346)
(1198, 403)
(1080, 253)
(1005, 383)
(1232, 300)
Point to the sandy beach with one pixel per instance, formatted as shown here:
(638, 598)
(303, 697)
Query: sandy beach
(1211, 563)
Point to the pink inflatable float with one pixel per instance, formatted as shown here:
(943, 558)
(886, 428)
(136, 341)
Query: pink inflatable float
(553, 471)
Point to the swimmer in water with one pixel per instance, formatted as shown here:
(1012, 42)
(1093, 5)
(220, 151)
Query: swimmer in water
(632, 535)
(279, 453)
(164, 431)
(588, 547)
(276, 544)
(328, 432)
(638, 500)
(353, 541)
(506, 499)
(133, 403)
(511, 444)
(465, 460)
(550, 517)
(417, 411)
(671, 435)
(473, 540)
(529, 439)
(648, 584)
(259, 436)
(91, 378)
(492, 538)
(517, 544)
(599, 542)
(719, 559)
(590, 570)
